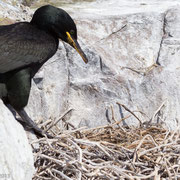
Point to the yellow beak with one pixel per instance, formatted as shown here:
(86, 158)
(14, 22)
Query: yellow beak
(76, 46)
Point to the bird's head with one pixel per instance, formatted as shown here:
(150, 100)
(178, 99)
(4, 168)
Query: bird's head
(59, 23)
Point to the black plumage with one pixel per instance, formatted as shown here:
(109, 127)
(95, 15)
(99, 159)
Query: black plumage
(25, 47)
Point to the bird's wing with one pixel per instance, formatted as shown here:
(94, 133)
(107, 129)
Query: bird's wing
(22, 44)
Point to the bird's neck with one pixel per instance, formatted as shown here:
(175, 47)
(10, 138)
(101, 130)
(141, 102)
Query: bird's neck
(44, 27)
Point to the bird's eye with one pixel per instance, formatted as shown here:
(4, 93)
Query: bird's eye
(72, 32)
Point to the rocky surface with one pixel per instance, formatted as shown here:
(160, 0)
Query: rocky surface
(133, 59)
(16, 154)
(14, 11)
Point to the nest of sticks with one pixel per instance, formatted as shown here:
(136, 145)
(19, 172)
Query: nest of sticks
(109, 152)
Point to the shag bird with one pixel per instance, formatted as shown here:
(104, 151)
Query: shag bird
(25, 47)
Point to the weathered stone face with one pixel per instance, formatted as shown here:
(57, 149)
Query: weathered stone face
(133, 60)
(16, 154)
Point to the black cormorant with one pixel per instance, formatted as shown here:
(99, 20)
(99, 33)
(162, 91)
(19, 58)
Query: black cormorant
(25, 47)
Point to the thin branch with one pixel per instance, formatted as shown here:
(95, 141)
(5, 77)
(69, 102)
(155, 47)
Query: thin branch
(66, 112)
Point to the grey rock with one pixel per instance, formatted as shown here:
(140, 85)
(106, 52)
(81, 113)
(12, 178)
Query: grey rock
(49, 95)
(16, 154)
(122, 71)
(14, 10)
(133, 60)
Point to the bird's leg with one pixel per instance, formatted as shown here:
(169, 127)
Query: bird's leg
(30, 123)
(25, 120)
(18, 89)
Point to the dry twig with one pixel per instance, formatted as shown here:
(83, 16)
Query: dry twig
(109, 152)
